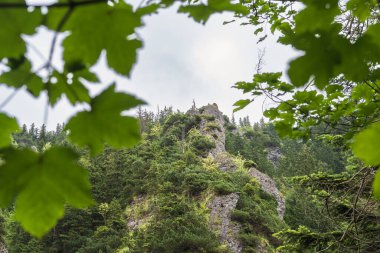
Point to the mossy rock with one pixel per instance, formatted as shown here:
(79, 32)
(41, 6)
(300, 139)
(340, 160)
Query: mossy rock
(208, 117)
(210, 126)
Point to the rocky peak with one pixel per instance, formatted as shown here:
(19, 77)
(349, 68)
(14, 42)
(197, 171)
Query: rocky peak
(221, 207)
(212, 124)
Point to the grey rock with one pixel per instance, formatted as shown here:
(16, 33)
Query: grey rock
(221, 207)
(217, 133)
(134, 219)
(274, 155)
(220, 220)
(269, 186)
(3, 248)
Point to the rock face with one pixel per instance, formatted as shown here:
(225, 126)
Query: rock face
(220, 220)
(137, 216)
(212, 124)
(3, 249)
(269, 186)
(221, 207)
(274, 155)
(225, 162)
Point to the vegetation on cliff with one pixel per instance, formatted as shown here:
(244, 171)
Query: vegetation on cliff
(158, 196)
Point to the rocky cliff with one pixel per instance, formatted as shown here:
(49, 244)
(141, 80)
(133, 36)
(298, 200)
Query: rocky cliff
(3, 249)
(218, 208)
(221, 207)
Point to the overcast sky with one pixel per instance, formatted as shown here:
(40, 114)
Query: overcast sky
(181, 61)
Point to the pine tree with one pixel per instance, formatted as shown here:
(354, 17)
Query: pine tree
(233, 121)
(58, 129)
(31, 129)
(24, 129)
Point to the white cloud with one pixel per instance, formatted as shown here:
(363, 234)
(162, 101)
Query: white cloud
(181, 61)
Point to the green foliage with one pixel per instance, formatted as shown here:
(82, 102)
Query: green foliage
(241, 104)
(208, 117)
(347, 100)
(345, 196)
(305, 240)
(85, 26)
(300, 203)
(20, 72)
(326, 200)
(256, 212)
(300, 159)
(210, 126)
(252, 145)
(376, 185)
(179, 124)
(334, 95)
(362, 10)
(16, 22)
(202, 12)
(105, 114)
(2, 226)
(312, 35)
(41, 184)
(90, 27)
(177, 228)
(8, 126)
(365, 144)
(165, 190)
(201, 144)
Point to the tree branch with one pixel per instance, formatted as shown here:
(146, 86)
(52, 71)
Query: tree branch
(57, 31)
(56, 5)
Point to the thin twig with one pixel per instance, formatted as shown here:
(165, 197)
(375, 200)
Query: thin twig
(9, 98)
(57, 31)
(46, 113)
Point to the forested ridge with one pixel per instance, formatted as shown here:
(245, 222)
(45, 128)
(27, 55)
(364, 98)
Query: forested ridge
(179, 191)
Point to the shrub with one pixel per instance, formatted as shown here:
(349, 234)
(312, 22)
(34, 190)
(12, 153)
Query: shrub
(250, 164)
(223, 188)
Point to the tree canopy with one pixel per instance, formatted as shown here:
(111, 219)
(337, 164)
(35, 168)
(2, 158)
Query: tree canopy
(335, 82)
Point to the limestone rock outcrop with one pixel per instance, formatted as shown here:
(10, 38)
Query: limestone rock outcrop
(138, 213)
(212, 124)
(221, 207)
(220, 220)
(3, 248)
(269, 186)
(274, 155)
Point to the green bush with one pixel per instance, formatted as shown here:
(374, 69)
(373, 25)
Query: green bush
(240, 216)
(201, 144)
(223, 188)
(250, 164)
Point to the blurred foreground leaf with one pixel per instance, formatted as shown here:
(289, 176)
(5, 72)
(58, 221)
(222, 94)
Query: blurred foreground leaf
(41, 184)
(104, 124)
